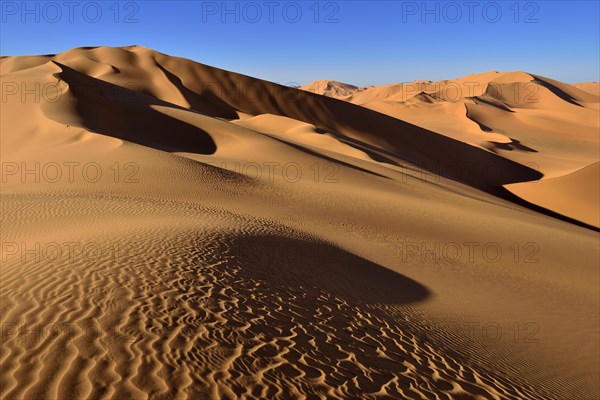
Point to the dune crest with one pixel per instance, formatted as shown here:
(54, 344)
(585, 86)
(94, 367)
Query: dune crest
(519, 116)
(591, 87)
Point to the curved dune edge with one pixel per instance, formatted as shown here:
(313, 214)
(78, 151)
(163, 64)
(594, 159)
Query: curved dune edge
(529, 119)
(575, 195)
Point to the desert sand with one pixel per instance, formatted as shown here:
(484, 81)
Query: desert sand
(535, 121)
(333, 88)
(171, 230)
(591, 87)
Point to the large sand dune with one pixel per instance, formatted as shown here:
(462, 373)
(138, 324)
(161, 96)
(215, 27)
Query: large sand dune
(535, 121)
(173, 230)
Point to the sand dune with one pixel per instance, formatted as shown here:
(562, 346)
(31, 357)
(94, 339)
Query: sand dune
(171, 230)
(331, 88)
(575, 195)
(591, 87)
(519, 116)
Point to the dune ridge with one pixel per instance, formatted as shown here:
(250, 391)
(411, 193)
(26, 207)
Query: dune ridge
(517, 115)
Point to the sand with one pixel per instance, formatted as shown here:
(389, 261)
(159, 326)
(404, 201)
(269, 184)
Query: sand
(171, 230)
(591, 87)
(333, 88)
(535, 121)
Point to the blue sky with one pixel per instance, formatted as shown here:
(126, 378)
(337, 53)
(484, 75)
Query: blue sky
(358, 42)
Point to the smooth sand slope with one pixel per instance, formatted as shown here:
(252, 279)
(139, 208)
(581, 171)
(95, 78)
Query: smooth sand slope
(196, 233)
(591, 87)
(575, 194)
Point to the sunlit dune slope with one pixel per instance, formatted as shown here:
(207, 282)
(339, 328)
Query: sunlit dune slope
(535, 121)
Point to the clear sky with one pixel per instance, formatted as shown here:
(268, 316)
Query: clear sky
(359, 42)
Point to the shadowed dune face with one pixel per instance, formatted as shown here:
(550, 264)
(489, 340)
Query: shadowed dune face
(207, 102)
(219, 93)
(314, 267)
(124, 114)
(215, 271)
(408, 142)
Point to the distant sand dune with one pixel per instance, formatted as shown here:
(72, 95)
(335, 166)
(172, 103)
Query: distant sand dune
(591, 87)
(532, 120)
